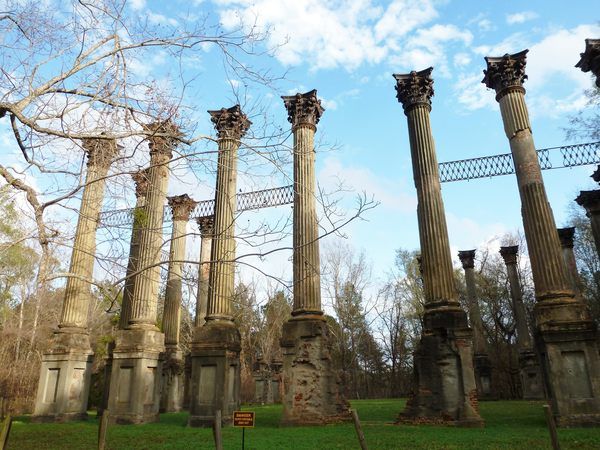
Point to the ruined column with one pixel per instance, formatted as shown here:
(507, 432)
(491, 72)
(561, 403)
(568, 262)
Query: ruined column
(590, 59)
(565, 333)
(173, 363)
(64, 383)
(135, 380)
(444, 388)
(566, 235)
(216, 346)
(529, 367)
(590, 200)
(312, 394)
(141, 189)
(481, 359)
(141, 181)
(206, 226)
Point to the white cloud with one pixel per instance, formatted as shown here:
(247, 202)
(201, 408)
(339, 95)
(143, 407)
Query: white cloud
(427, 47)
(347, 34)
(461, 59)
(330, 105)
(520, 17)
(549, 61)
(137, 4)
(485, 25)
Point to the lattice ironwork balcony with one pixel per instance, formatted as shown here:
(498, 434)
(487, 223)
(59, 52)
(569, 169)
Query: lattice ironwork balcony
(492, 166)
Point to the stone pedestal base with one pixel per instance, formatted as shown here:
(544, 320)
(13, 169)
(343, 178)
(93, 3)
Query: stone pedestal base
(311, 387)
(444, 388)
(171, 398)
(571, 364)
(483, 376)
(64, 384)
(531, 375)
(215, 382)
(135, 380)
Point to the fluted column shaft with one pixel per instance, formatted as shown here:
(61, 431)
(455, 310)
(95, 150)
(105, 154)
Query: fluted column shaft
(524, 340)
(438, 278)
(231, 125)
(144, 303)
(550, 276)
(74, 314)
(306, 262)
(304, 113)
(222, 272)
(141, 190)
(479, 342)
(566, 236)
(206, 225)
(181, 207)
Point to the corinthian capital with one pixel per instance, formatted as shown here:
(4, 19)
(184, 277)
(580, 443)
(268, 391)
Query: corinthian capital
(230, 123)
(142, 182)
(303, 109)
(467, 258)
(566, 236)
(590, 59)
(163, 137)
(100, 152)
(506, 72)
(414, 88)
(181, 206)
(509, 254)
(206, 225)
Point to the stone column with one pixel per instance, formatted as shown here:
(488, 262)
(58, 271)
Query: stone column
(565, 333)
(66, 367)
(173, 363)
(590, 59)
(529, 367)
(590, 200)
(566, 235)
(135, 380)
(483, 365)
(141, 189)
(444, 389)
(312, 394)
(206, 226)
(216, 346)
(141, 181)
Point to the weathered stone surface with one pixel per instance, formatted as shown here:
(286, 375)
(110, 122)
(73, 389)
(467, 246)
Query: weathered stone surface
(65, 372)
(215, 382)
(566, 337)
(135, 382)
(590, 200)
(215, 379)
(566, 236)
(529, 366)
(590, 59)
(311, 391)
(444, 389)
(311, 382)
(137, 365)
(482, 363)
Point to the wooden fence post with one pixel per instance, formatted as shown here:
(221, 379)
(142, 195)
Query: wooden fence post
(102, 429)
(551, 427)
(359, 432)
(6, 424)
(217, 431)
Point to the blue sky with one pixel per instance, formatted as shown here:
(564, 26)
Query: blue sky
(348, 50)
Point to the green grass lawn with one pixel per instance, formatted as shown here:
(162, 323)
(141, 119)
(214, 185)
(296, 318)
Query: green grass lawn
(509, 424)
